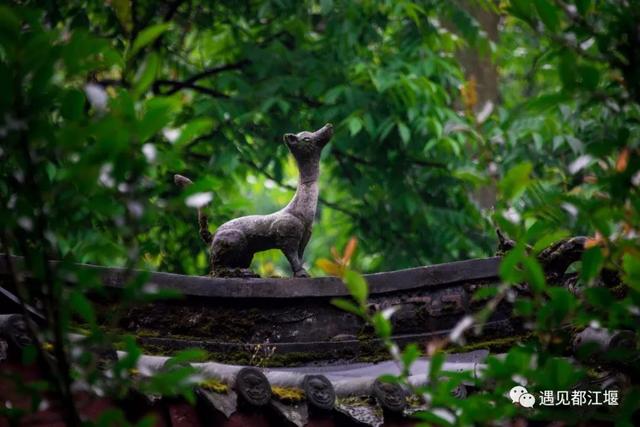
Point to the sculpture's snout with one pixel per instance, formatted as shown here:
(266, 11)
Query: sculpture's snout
(324, 134)
(327, 129)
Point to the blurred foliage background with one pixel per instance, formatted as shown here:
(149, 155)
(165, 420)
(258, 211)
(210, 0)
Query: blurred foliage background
(452, 118)
(433, 102)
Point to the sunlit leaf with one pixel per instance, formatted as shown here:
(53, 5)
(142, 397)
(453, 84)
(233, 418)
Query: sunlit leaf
(347, 306)
(549, 13)
(357, 286)
(349, 250)
(329, 267)
(147, 36)
(381, 325)
(515, 182)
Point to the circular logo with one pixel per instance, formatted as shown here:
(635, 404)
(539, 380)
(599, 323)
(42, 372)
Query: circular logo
(516, 392)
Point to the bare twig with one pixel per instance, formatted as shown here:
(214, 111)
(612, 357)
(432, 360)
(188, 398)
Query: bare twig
(178, 85)
(216, 70)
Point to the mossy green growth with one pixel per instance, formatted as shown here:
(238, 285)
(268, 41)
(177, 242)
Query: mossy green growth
(214, 386)
(494, 345)
(354, 401)
(288, 394)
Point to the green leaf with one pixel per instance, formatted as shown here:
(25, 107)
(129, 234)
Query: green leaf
(9, 24)
(589, 77)
(599, 297)
(81, 305)
(405, 133)
(73, 102)
(381, 325)
(434, 127)
(410, 354)
(158, 113)
(548, 239)
(437, 362)
(131, 356)
(522, 9)
(431, 418)
(347, 306)
(631, 266)
(584, 6)
(326, 6)
(545, 102)
(388, 378)
(147, 36)
(592, 262)
(471, 175)
(509, 266)
(355, 125)
(357, 286)
(534, 273)
(187, 356)
(123, 13)
(548, 13)
(146, 74)
(485, 292)
(568, 70)
(523, 307)
(29, 355)
(193, 130)
(516, 181)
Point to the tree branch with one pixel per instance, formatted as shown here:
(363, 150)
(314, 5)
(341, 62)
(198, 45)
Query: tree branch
(178, 85)
(216, 70)
(190, 83)
(369, 163)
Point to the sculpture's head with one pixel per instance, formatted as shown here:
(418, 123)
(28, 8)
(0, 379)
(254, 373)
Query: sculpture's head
(308, 145)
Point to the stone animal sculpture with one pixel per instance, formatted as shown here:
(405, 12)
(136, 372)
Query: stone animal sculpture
(235, 242)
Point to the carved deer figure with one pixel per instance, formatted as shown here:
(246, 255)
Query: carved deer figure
(235, 242)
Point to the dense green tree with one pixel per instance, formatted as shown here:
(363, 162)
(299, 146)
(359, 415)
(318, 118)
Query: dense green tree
(238, 78)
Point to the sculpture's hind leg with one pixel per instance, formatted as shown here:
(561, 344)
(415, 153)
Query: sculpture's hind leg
(230, 255)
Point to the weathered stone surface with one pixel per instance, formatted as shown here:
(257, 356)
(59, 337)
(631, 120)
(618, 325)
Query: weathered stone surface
(285, 322)
(225, 403)
(297, 414)
(4, 350)
(604, 340)
(428, 277)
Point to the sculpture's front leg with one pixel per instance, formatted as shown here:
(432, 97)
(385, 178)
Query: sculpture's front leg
(301, 273)
(295, 262)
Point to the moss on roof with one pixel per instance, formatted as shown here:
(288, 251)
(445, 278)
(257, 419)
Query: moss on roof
(288, 394)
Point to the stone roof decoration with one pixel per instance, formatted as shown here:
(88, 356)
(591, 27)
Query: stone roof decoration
(235, 242)
(319, 364)
(391, 397)
(252, 387)
(319, 392)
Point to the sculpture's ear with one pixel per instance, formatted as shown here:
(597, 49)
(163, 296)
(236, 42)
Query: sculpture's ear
(290, 138)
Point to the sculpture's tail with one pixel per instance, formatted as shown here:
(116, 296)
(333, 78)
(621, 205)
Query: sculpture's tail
(203, 221)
